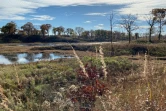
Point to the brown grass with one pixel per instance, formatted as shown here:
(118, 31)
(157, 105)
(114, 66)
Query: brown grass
(4, 100)
(103, 62)
(142, 90)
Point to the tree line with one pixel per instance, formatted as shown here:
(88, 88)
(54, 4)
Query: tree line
(29, 29)
(128, 22)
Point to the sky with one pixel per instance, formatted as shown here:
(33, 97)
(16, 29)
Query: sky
(89, 14)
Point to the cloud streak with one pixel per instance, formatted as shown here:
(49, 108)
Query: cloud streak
(99, 26)
(42, 17)
(16, 9)
(87, 22)
(96, 14)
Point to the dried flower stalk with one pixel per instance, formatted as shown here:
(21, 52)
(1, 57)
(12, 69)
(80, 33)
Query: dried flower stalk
(80, 62)
(103, 62)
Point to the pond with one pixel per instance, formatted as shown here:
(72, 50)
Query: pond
(23, 58)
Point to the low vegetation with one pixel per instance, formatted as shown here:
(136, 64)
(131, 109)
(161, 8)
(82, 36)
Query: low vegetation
(115, 49)
(121, 84)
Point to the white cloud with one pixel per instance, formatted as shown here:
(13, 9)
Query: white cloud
(16, 9)
(12, 17)
(145, 27)
(96, 14)
(99, 26)
(42, 17)
(69, 14)
(87, 22)
(37, 24)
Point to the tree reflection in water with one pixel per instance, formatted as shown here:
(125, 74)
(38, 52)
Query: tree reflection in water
(23, 58)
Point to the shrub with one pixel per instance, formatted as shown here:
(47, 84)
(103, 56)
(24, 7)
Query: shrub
(84, 94)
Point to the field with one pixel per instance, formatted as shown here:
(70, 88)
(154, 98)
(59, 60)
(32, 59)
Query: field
(106, 77)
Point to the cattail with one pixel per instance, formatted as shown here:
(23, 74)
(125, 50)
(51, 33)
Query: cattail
(80, 62)
(103, 62)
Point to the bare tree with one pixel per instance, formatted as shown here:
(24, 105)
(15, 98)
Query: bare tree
(151, 20)
(79, 30)
(112, 22)
(160, 16)
(128, 22)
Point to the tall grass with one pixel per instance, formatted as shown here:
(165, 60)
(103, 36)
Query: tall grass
(78, 84)
(4, 102)
(80, 62)
(103, 62)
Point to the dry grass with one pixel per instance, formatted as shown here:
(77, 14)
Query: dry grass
(80, 62)
(4, 100)
(16, 75)
(103, 62)
(142, 90)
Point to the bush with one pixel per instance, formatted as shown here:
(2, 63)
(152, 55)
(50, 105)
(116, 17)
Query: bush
(134, 49)
(116, 66)
(11, 38)
(58, 39)
(67, 47)
(31, 38)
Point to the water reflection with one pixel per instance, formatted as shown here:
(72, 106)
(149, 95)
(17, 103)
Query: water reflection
(4, 60)
(23, 58)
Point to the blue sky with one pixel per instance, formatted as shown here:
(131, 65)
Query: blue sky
(89, 14)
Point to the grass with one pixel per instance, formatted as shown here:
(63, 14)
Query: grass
(35, 80)
(157, 50)
(116, 49)
(134, 84)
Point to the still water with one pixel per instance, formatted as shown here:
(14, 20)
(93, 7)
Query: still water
(23, 58)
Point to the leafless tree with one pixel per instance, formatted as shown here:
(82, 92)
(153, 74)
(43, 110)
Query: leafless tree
(128, 22)
(79, 30)
(151, 21)
(112, 22)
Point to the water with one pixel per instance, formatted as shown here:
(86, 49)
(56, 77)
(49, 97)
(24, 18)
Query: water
(23, 58)
(58, 44)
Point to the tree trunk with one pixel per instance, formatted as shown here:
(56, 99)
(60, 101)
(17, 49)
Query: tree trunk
(59, 34)
(48, 32)
(129, 36)
(28, 33)
(150, 34)
(159, 37)
(111, 35)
